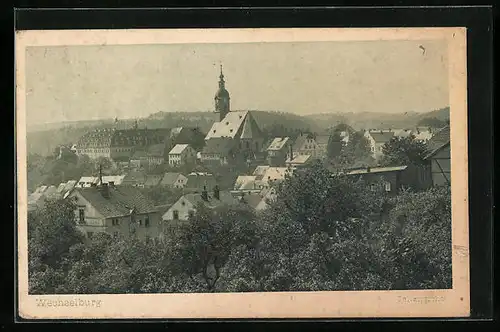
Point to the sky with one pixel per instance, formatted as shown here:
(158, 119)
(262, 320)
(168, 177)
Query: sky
(131, 81)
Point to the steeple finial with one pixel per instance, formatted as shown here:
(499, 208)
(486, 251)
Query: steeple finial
(221, 77)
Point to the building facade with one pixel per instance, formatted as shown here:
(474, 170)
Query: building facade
(121, 212)
(118, 144)
(181, 154)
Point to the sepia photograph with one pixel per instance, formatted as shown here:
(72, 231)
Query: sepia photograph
(269, 173)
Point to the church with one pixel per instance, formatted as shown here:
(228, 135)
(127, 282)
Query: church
(236, 136)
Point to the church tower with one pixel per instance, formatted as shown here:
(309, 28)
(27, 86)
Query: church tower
(222, 98)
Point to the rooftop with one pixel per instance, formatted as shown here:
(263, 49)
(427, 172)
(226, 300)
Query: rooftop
(440, 139)
(121, 201)
(178, 148)
(375, 170)
(169, 178)
(278, 143)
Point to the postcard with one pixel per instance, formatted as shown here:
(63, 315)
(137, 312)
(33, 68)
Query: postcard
(242, 173)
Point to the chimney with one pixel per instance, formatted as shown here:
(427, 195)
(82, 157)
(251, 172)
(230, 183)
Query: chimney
(368, 169)
(100, 173)
(216, 192)
(104, 189)
(204, 194)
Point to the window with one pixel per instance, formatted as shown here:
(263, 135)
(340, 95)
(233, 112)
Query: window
(89, 234)
(81, 215)
(146, 221)
(115, 235)
(140, 222)
(115, 222)
(387, 186)
(373, 187)
(176, 215)
(183, 203)
(191, 213)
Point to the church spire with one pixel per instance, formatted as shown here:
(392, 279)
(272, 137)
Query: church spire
(222, 97)
(221, 78)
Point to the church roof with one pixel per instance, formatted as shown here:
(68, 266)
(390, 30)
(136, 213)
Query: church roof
(238, 123)
(250, 128)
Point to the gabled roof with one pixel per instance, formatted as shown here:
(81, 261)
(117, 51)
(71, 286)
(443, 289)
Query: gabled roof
(274, 173)
(260, 170)
(178, 148)
(120, 202)
(169, 178)
(300, 140)
(245, 182)
(278, 143)
(226, 198)
(439, 140)
(381, 136)
(300, 159)
(250, 128)
(229, 126)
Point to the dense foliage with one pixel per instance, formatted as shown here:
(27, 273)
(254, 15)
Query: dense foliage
(323, 232)
(404, 151)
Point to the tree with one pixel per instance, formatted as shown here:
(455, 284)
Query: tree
(51, 233)
(431, 122)
(356, 153)
(334, 146)
(206, 242)
(403, 151)
(415, 240)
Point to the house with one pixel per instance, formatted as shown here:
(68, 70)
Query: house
(299, 161)
(377, 139)
(118, 211)
(248, 183)
(184, 135)
(306, 144)
(196, 181)
(155, 155)
(268, 176)
(88, 181)
(152, 180)
(119, 144)
(258, 201)
(139, 159)
(218, 151)
(438, 157)
(389, 179)
(181, 154)
(135, 179)
(322, 146)
(173, 180)
(277, 151)
(423, 134)
(186, 205)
